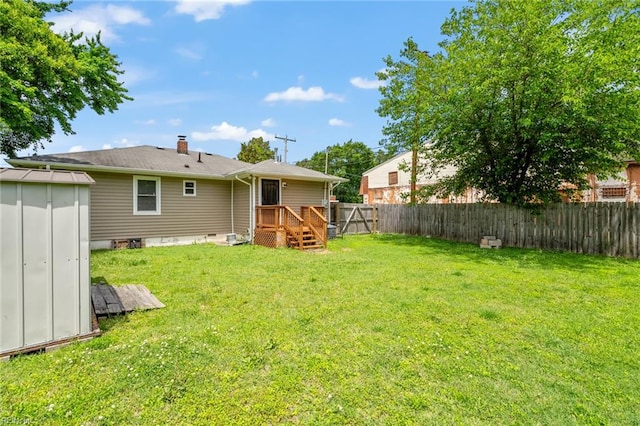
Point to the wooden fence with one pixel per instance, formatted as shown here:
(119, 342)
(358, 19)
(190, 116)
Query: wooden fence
(352, 218)
(610, 229)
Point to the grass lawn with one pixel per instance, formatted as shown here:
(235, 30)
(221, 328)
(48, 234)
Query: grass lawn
(381, 329)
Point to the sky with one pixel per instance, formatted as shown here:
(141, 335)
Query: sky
(223, 72)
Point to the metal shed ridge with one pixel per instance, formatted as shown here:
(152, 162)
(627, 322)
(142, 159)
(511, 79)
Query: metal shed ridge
(45, 176)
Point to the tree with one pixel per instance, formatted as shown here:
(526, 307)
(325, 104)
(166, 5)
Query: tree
(348, 161)
(46, 78)
(405, 102)
(533, 97)
(255, 151)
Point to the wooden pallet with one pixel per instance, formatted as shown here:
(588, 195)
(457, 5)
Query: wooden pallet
(116, 300)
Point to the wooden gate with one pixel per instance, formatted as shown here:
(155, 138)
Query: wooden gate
(352, 218)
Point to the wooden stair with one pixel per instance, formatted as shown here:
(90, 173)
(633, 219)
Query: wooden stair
(309, 241)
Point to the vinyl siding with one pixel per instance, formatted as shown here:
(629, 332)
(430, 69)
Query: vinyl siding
(209, 212)
(240, 207)
(302, 193)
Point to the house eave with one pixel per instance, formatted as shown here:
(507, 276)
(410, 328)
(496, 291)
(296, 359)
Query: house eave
(285, 176)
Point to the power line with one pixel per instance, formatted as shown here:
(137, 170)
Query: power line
(286, 139)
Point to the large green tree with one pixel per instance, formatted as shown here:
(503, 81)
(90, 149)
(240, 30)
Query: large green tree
(46, 78)
(255, 151)
(348, 160)
(534, 96)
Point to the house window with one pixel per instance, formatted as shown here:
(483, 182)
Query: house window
(146, 195)
(614, 192)
(189, 188)
(393, 178)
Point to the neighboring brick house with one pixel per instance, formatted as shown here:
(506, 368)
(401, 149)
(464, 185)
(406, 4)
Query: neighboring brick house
(387, 184)
(624, 187)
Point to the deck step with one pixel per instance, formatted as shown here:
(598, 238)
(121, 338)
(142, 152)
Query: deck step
(309, 241)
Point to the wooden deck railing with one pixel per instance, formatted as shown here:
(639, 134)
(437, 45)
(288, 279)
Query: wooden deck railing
(284, 218)
(280, 218)
(315, 220)
(268, 217)
(293, 224)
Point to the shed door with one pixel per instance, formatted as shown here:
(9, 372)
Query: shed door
(270, 192)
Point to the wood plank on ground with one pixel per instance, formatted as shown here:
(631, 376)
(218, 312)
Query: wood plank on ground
(99, 304)
(150, 298)
(110, 300)
(127, 297)
(106, 301)
(141, 302)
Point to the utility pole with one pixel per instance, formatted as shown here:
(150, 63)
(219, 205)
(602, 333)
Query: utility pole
(326, 161)
(286, 139)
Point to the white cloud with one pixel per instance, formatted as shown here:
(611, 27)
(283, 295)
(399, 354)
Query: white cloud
(77, 148)
(149, 122)
(96, 18)
(312, 94)
(336, 122)
(189, 53)
(269, 122)
(124, 143)
(225, 131)
(107, 146)
(202, 10)
(175, 122)
(134, 74)
(124, 15)
(165, 98)
(255, 74)
(364, 83)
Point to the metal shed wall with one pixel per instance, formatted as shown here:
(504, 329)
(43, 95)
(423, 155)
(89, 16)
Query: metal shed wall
(45, 293)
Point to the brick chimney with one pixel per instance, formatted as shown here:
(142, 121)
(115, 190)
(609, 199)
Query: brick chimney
(183, 147)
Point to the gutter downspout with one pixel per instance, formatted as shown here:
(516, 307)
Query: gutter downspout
(233, 222)
(330, 187)
(334, 187)
(251, 206)
(327, 197)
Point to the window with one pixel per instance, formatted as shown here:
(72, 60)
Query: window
(393, 178)
(189, 188)
(146, 195)
(614, 192)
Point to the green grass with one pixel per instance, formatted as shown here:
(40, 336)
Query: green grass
(380, 330)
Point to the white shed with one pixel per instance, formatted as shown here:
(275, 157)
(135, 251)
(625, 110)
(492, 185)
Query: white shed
(45, 293)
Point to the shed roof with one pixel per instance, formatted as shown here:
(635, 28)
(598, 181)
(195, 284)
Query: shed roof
(45, 176)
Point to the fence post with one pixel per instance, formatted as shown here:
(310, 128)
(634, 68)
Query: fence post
(374, 218)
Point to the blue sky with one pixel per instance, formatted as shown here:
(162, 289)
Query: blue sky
(223, 72)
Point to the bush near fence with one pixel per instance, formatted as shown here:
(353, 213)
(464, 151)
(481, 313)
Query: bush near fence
(595, 228)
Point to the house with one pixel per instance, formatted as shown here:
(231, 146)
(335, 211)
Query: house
(148, 195)
(388, 183)
(625, 187)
